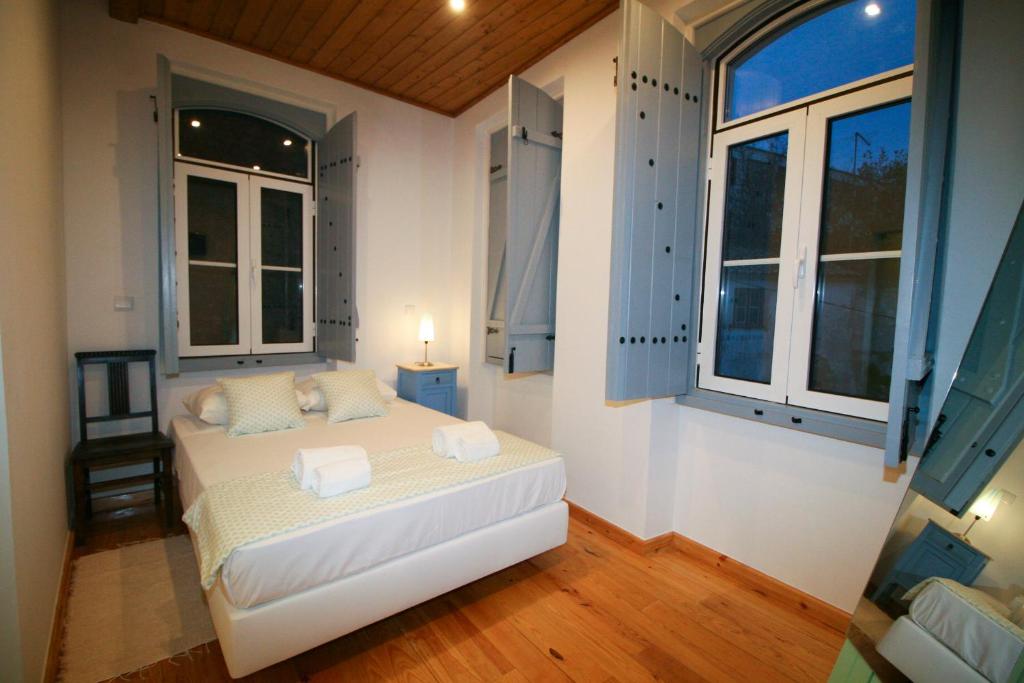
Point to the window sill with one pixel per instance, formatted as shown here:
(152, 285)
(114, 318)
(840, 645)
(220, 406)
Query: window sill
(266, 360)
(842, 427)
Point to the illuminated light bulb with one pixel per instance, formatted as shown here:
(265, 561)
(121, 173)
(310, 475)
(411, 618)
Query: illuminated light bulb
(457, 5)
(196, 123)
(255, 167)
(872, 9)
(287, 142)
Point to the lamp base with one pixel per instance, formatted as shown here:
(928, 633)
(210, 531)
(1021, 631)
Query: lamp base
(424, 364)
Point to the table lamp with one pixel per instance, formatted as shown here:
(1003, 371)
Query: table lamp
(426, 336)
(984, 507)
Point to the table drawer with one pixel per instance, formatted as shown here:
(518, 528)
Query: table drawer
(442, 378)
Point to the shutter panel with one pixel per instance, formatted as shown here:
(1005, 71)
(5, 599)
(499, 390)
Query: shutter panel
(531, 246)
(655, 214)
(165, 218)
(335, 242)
(496, 280)
(910, 415)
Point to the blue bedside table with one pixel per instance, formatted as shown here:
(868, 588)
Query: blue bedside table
(935, 552)
(432, 386)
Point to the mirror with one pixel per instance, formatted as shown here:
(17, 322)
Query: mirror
(945, 601)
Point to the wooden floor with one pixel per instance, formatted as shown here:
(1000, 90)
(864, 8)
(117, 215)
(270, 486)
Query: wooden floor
(587, 611)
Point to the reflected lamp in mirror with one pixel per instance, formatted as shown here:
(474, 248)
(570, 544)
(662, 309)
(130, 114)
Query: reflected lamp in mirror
(985, 506)
(426, 336)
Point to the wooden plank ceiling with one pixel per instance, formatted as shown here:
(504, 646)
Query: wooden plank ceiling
(418, 51)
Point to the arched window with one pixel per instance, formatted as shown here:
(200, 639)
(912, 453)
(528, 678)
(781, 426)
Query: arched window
(243, 141)
(822, 49)
(805, 208)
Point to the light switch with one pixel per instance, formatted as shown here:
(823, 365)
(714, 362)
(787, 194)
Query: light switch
(124, 303)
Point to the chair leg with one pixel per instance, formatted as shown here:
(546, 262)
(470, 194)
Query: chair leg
(167, 484)
(81, 493)
(156, 481)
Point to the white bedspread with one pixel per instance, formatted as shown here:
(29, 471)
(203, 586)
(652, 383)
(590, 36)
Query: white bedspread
(963, 620)
(286, 564)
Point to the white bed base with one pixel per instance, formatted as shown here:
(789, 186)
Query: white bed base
(922, 657)
(257, 637)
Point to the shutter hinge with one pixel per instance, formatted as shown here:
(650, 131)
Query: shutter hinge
(615, 76)
(156, 109)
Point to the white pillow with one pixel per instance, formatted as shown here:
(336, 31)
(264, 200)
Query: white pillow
(211, 406)
(350, 394)
(262, 403)
(313, 398)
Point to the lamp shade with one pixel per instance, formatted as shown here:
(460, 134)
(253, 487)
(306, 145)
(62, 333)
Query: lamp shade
(986, 504)
(426, 328)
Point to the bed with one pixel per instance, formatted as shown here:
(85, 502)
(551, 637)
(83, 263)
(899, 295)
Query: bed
(954, 633)
(280, 596)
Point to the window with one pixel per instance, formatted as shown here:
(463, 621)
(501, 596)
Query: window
(805, 213)
(244, 241)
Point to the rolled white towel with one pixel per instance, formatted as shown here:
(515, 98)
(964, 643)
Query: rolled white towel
(341, 476)
(443, 440)
(308, 459)
(476, 445)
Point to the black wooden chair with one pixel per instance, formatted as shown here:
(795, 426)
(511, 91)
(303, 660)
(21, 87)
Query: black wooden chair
(126, 449)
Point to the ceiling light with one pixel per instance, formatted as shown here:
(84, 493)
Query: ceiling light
(195, 123)
(872, 9)
(457, 5)
(287, 142)
(255, 167)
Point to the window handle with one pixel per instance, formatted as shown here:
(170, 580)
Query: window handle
(801, 267)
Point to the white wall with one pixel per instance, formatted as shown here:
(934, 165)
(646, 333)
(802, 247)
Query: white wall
(33, 427)
(108, 71)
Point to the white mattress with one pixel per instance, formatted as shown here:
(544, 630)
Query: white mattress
(987, 643)
(272, 568)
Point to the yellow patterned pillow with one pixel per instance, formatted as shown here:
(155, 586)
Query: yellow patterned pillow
(351, 394)
(262, 403)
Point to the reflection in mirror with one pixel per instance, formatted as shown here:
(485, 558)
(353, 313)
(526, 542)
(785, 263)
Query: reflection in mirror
(945, 601)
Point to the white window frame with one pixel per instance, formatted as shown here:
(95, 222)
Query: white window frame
(256, 184)
(798, 260)
(815, 161)
(242, 267)
(792, 123)
(249, 267)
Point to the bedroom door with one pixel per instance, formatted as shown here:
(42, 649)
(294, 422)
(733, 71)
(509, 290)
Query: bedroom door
(531, 246)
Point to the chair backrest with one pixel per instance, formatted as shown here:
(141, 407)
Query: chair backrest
(118, 397)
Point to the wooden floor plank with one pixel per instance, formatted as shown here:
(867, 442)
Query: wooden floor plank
(590, 610)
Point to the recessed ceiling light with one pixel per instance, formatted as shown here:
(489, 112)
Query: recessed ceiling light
(287, 142)
(255, 167)
(457, 5)
(872, 9)
(195, 123)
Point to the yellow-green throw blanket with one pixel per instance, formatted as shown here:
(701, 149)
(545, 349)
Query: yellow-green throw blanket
(234, 513)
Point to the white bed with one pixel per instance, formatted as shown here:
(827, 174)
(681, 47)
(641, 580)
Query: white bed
(269, 602)
(953, 635)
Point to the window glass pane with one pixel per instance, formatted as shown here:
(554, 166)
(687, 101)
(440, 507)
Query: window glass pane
(282, 306)
(212, 220)
(854, 324)
(281, 228)
(756, 184)
(866, 181)
(213, 305)
(843, 43)
(237, 139)
(746, 322)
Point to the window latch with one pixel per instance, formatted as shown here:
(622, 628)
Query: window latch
(800, 270)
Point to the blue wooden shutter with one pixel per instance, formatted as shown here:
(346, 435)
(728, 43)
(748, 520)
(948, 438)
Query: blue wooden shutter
(335, 242)
(165, 218)
(655, 212)
(531, 251)
(910, 415)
